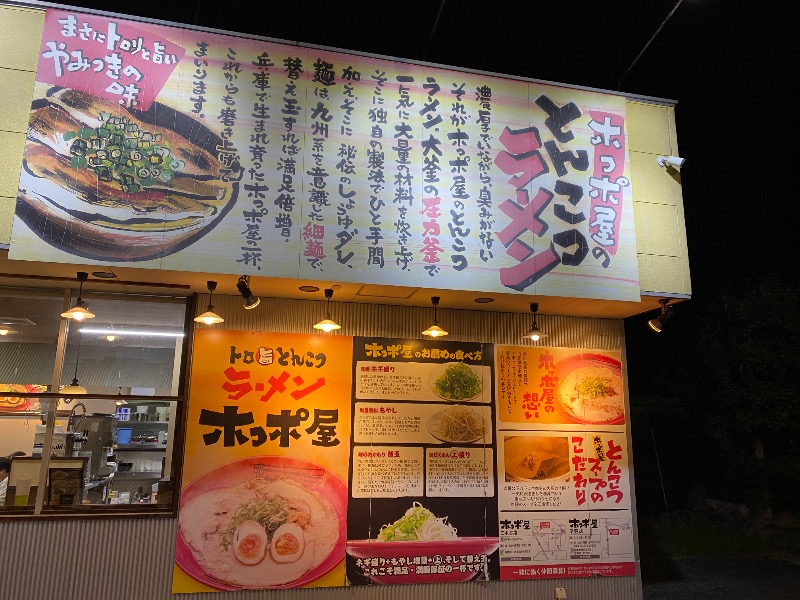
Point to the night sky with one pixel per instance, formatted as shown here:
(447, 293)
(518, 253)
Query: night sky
(727, 63)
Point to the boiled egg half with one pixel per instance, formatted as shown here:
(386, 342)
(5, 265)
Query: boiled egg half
(288, 543)
(250, 543)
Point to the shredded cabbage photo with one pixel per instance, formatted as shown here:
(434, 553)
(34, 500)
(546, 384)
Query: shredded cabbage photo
(458, 382)
(418, 524)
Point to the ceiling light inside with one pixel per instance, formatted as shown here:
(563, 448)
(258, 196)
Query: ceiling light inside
(80, 311)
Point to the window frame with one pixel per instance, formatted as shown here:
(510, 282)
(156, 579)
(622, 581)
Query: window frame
(43, 511)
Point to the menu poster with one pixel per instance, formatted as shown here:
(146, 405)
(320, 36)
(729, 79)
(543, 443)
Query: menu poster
(423, 499)
(264, 492)
(564, 496)
(65, 486)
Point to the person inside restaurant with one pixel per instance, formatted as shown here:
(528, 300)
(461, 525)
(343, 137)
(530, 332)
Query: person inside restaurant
(5, 469)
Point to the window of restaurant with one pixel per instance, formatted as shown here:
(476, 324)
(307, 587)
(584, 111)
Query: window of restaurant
(104, 394)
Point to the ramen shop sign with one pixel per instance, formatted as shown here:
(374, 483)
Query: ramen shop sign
(168, 148)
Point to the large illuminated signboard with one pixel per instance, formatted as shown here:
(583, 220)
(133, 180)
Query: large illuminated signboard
(170, 148)
(325, 461)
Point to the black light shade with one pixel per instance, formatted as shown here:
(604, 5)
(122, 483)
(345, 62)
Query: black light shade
(75, 388)
(243, 285)
(658, 323)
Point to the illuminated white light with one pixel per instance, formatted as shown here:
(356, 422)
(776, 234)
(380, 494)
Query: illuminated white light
(327, 325)
(78, 313)
(434, 331)
(209, 317)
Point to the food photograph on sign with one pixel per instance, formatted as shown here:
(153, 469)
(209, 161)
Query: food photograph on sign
(262, 522)
(590, 389)
(565, 387)
(458, 424)
(161, 147)
(456, 381)
(11, 403)
(264, 491)
(536, 459)
(421, 547)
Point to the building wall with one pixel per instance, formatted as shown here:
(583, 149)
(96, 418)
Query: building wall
(658, 204)
(657, 200)
(20, 36)
(132, 558)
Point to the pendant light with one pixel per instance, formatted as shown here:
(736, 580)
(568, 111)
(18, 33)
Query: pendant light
(534, 333)
(434, 330)
(210, 317)
(75, 388)
(79, 312)
(327, 325)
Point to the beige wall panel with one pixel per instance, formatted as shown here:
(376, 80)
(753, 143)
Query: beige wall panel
(652, 183)
(20, 36)
(664, 274)
(6, 218)
(16, 90)
(12, 144)
(658, 230)
(649, 128)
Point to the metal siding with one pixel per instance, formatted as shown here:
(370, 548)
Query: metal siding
(26, 363)
(132, 558)
(287, 315)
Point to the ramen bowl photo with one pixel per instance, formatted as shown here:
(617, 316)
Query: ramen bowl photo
(105, 182)
(590, 390)
(265, 522)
